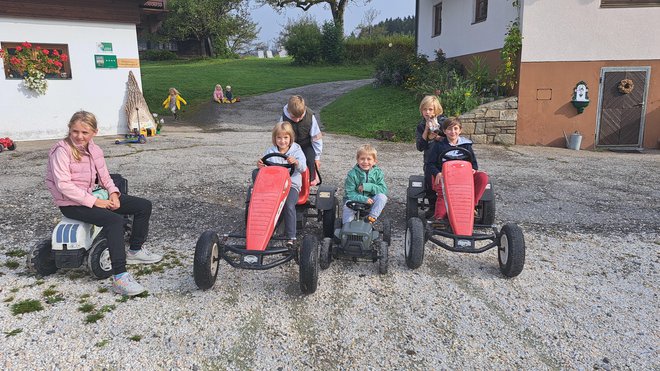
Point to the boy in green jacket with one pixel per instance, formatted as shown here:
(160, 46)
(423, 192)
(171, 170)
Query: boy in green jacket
(365, 183)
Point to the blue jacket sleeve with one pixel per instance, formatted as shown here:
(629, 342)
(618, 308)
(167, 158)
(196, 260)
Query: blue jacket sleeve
(421, 143)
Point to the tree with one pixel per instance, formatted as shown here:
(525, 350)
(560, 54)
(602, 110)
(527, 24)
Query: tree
(240, 31)
(199, 19)
(367, 24)
(337, 7)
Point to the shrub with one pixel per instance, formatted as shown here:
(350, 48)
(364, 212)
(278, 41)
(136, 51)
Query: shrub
(393, 66)
(332, 43)
(479, 76)
(365, 50)
(157, 55)
(303, 41)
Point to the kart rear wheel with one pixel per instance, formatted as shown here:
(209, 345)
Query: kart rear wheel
(338, 225)
(12, 147)
(98, 258)
(414, 243)
(383, 252)
(325, 255)
(309, 265)
(387, 231)
(511, 250)
(411, 208)
(487, 212)
(329, 217)
(40, 260)
(207, 260)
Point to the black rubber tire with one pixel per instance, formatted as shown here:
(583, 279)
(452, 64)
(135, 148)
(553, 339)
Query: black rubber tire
(40, 260)
(325, 253)
(383, 257)
(98, 258)
(338, 225)
(207, 260)
(411, 208)
(387, 231)
(142, 139)
(511, 250)
(309, 265)
(487, 212)
(414, 243)
(12, 147)
(2, 148)
(329, 217)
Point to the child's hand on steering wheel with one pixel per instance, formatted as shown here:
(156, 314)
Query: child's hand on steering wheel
(292, 160)
(260, 164)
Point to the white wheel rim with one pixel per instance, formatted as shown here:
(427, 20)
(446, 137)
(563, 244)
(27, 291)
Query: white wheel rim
(215, 257)
(504, 249)
(407, 244)
(104, 260)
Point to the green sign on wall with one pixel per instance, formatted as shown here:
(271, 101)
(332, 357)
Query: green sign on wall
(104, 47)
(105, 61)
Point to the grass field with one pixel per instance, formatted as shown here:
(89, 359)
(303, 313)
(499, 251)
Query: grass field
(196, 80)
(367, 110)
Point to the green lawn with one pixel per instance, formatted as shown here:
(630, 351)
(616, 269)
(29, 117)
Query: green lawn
(367, 110)
(196, 80)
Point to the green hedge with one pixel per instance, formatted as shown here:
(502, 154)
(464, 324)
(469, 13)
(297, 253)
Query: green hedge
(365, 50)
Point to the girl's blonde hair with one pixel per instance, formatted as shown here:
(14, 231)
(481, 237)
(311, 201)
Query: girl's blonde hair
(451, 121)
(174, 91)
(283, 127)
(218, 86)
(367, 149)
(86, 118)
(431, 101)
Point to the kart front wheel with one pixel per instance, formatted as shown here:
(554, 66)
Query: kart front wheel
(383, 252)
(414, 243)
(98, 260)
(309, 265)
(325, 255)
(207, 260)
(40, 260)
(511, 250)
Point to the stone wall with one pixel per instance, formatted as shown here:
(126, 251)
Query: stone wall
(493, 122)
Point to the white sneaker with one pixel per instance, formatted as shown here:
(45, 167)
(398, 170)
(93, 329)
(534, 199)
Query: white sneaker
(126, 285)
(142, 256)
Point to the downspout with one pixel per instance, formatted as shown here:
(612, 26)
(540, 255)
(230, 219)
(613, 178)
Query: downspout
(416, 27)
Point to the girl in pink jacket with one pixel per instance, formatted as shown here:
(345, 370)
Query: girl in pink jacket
(74, 165)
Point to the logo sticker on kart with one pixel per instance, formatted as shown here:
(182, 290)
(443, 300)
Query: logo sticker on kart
(324, 194)
(463, 243)
(250, 259)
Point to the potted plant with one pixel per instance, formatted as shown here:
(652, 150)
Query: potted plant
(34, 64)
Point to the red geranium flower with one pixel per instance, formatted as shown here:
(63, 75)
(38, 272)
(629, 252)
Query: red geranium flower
(27, 44)
(58, 64)
(38, 47)
(14, 60)
(45, 51)
(64, 57)
(50, 61)
(18, 48)
(55, 52)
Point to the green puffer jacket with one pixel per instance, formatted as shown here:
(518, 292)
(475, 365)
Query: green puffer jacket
(372, 181)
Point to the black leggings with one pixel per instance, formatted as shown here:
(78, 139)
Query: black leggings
(310, 155)
(112, 222)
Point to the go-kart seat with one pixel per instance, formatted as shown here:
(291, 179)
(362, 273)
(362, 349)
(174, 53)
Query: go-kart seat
(303, 196)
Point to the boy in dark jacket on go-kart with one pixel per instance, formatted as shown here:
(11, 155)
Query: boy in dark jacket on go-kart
(365, 183)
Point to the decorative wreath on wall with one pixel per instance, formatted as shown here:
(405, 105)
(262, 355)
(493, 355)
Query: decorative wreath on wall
(626, 86)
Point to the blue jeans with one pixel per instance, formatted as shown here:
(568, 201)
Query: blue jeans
(377, 207)
(289, 214)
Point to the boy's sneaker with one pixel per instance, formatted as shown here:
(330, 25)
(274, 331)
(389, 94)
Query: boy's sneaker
(142, 256)
(289, 244)
(126, 285)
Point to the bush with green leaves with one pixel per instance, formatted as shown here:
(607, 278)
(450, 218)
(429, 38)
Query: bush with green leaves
(479, 75)
(157, 55)
(393, 67)
(332, 44)
(302, 40)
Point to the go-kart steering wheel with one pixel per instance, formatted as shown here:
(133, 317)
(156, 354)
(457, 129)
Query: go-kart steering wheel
(287, 165)
(463, 155)
(358, 206)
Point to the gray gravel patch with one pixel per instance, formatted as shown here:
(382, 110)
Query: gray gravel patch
(587, 298)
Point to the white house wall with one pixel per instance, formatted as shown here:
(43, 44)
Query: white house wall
(26, 116)
(582, 31)
(459, 35)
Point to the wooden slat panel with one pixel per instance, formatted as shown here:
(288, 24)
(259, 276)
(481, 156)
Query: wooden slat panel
(620, 121)
(628, 3)
(119, 11)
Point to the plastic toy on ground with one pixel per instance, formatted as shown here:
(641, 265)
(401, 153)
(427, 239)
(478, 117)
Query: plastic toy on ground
(462, 231)
(261, 247)
(358, 240)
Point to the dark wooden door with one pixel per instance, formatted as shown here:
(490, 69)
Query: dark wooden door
(621, 114)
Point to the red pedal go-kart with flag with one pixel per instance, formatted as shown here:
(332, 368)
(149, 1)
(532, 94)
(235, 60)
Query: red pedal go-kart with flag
(6, 143)
(461, 234)
(259, 248)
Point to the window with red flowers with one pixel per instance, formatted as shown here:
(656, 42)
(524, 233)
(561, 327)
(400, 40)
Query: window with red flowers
(51, 59)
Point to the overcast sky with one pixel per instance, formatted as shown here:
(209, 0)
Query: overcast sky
(271, 22)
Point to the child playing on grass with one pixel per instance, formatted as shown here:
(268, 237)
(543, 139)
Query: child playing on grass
(74, 164)
(229, 96)
(283, 138)
(218, 96)
(308, 133)
(173, 102)
(365, 183)
(429, 133)
(452, 129)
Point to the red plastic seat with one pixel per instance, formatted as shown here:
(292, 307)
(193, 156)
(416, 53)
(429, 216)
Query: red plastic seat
(303, 196)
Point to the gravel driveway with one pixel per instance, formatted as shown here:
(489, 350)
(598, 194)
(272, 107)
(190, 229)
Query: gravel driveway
(587, 298)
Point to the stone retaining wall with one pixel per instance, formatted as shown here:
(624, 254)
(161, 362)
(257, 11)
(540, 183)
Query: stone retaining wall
(493, 122)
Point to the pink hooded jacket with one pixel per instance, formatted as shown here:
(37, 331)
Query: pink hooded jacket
(71, 182)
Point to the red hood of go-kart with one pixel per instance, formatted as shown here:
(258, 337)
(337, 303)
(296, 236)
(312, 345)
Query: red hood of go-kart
(268, 196)
(458, 189)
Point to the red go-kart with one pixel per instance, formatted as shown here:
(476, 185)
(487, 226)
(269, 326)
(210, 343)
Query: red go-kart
(6, 143)
(260, 249)
(460, 233)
